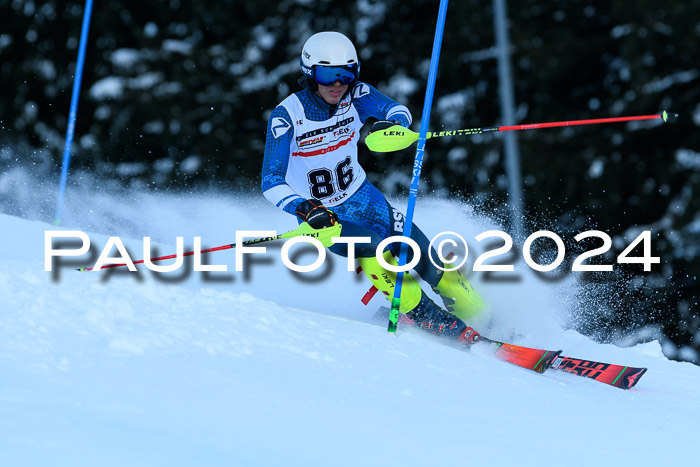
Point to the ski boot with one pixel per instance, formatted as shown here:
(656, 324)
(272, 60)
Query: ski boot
(458, 295)
(384, 281)
(416, 307)
(430, 317)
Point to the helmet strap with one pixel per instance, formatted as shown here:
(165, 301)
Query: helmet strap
(306, 82)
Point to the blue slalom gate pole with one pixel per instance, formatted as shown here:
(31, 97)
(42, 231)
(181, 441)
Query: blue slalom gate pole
(418, 161)
(73, 109)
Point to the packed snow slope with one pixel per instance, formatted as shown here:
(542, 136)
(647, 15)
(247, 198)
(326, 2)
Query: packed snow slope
(268, 368)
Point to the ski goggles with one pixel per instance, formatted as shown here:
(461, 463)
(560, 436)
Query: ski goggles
(327, 75)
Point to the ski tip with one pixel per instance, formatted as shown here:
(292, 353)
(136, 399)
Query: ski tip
(631, 377)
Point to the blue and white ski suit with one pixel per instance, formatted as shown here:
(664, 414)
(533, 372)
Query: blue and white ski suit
(311, 152)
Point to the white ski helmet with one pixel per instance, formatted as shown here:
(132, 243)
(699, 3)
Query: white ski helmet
(328, 49)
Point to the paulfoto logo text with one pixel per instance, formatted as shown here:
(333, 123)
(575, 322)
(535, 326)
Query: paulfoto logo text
(443, 251)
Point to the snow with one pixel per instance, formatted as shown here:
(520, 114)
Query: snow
(688, 159)
(268, 368)
(451, 108)
(596, 168)
(150, 29)
(176, 46)
(110, 87)
(5, 40)
(125, 58)
(621, 30)
(190, 164)
(660, 85)
(402, 85)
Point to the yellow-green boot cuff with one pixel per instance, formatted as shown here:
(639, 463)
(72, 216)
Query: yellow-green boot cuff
(459, 296)
(385, 281)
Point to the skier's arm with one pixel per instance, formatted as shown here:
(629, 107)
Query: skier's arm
(369, 102)
(274, 169)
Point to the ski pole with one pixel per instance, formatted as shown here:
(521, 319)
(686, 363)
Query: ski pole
(397, 137)
(323, 235)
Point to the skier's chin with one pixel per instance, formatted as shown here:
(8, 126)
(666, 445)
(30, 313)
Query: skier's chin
(332, 99)
(331, 94)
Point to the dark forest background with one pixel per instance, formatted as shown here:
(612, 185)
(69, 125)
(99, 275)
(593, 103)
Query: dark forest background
(176, 94)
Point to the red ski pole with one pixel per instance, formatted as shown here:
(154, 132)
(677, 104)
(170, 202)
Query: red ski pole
(323, 235)
(397, 137)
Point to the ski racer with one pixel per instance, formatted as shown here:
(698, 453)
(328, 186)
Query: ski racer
(311, 171)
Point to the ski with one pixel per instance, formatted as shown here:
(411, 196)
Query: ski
(538, 360)
(623, 377)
